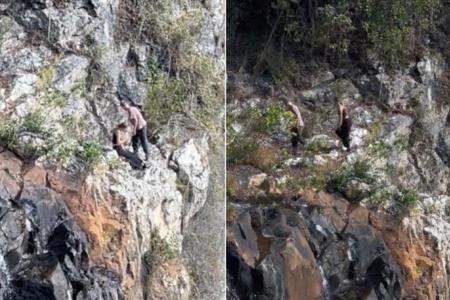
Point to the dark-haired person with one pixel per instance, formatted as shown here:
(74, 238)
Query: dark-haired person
(344, 126)
(118, 145)
(297, 129)
(139, 128)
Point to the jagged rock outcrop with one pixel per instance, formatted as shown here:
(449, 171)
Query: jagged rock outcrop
(373, 218)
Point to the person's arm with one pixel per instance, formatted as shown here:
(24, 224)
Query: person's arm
(300, 119)
(119, 138)
(341, 114)
(134, 121)
(297, 113)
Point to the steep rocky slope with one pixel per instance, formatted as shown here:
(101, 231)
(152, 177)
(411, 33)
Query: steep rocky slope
(76, 221)
(372, 223)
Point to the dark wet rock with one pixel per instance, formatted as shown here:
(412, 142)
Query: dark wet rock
(243, 236)
(330, 251)
(44, 253)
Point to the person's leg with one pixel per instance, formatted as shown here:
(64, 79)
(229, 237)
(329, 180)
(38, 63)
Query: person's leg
(346, 133)
(294, 139)
(301, 138)
(134, 142)
(144, 142)
(132, 158)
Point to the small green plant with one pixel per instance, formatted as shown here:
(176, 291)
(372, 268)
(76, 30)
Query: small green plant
(359, 170)
(407, 197)
(9, 134)
(232, 214)
(232, 185)
(34, 122)
(45, 76)
(166, 95)
(317, 147)
(161, 250)
(381, 197)
(240, 151)
(401, 143)
(338, 180)
(90, 152)
(63, 152)
(54, 98)
(273, 116)
(80, 88)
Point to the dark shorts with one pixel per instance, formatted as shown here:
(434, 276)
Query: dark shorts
(132, 158)
(297, 136)
(343, 132)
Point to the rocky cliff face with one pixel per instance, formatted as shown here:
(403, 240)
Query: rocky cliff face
(76, 221)
(372, 223)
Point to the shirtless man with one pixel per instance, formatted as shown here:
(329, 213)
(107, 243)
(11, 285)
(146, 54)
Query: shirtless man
(118, 145)
(297, 129)
(139, 126)
(345, 124)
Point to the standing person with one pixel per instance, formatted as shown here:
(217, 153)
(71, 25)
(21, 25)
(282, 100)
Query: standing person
(344, 126)
(139, 128)
(118, 145)
(297, 129)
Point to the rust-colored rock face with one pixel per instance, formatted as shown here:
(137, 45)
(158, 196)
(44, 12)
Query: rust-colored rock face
(345, 251)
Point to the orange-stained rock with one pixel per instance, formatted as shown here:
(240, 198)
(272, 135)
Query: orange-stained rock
(9, 187)
(359, 215)
(303, 280)
(10, 163)
(36, 176)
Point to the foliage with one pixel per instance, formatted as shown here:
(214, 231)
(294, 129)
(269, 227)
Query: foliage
(333, 30)
(161, 250)
(394, 31)
(34, 122)
(45, 76)
(232, 185)
(381, 197)
(407, 197)
(340, 178)
(232, 213)
(63, 152)
(9, 134)
(317, 147)
(90, 152)
(166, 96)
(249, 153)
(240, 151)
(272, 116)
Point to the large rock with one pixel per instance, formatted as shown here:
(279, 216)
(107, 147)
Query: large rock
(169, 281)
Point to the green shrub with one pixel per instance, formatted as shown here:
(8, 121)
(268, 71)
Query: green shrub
(381, 197)
(273, 116)
(90, 152)
(359, 170)
(63, 152)
(407, 197)
(338, 180)
(165, 97)
(232, 185)
(161, 251)
(34, 122)
(53, 98)
(232, 214)
(317, 147)
(240, 151)
(9, 134)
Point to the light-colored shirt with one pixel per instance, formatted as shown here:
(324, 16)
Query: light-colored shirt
(294, 108)
(136, 118)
